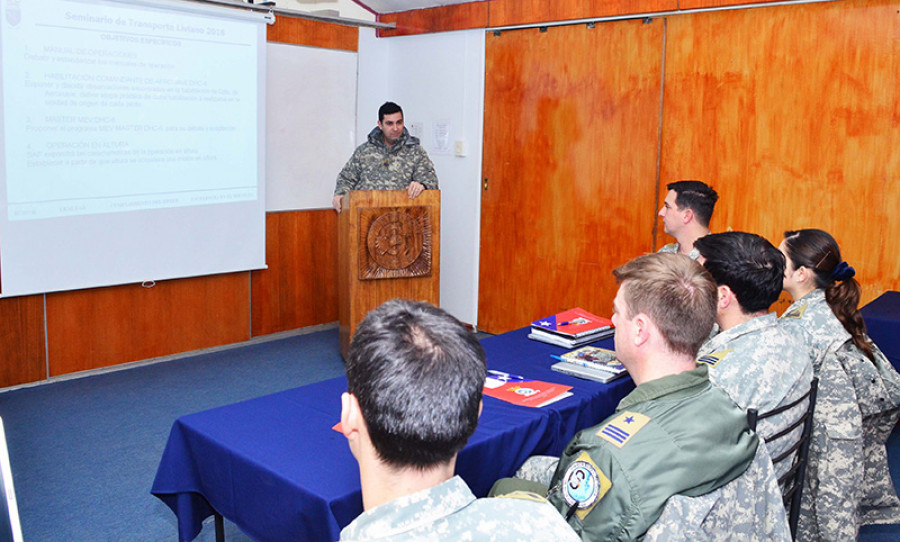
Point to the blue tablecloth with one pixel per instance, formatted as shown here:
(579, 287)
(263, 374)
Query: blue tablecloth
(882, 318)
(275, 467)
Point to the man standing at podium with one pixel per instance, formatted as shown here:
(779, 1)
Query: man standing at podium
(390, 159)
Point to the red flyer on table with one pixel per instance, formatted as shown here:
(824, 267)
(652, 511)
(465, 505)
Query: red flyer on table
(519, 390)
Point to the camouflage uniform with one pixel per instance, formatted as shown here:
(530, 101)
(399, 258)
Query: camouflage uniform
(762, 366)
(849, 481)
(678, 434)
(747, 509)
(449, 511)
(675, 247)
(375, 166)
(539, 469)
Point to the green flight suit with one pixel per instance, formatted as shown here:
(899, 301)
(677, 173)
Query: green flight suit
(677, 435)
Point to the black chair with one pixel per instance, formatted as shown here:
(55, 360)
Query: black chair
(791, 482)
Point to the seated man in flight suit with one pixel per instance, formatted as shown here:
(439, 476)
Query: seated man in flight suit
(676, 433)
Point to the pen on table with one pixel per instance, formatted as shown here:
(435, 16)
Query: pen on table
(573, 323)
(557, 357)
(506, 377)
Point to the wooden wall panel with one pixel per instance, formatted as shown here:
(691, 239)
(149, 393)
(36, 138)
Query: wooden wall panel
(515, 12)
(570, 146)
(790, 112)
(499, 13)
(696, 4)
(888, 265)
(299, 288)
(313, 33)
(440, 19)
(88, 329)
(22, 355)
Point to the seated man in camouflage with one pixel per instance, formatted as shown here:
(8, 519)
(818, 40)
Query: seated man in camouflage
(390, 159)
(676, 433)
(414, 384)
(753, 357)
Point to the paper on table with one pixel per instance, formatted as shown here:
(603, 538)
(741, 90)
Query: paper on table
(518, 390)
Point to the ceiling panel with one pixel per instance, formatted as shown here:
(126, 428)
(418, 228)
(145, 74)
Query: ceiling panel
(392, 6)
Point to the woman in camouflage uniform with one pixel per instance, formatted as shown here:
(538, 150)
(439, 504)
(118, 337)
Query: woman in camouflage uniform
(859, 394)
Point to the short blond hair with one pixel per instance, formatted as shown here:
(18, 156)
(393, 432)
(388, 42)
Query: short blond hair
(676, 292)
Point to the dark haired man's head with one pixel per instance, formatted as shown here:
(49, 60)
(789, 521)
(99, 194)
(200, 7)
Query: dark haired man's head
(696, 196)
(390, 121)
(418, 375)
(388, 108)
(748, 264)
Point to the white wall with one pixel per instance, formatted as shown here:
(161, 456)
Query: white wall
(438, 79)
(300, 169)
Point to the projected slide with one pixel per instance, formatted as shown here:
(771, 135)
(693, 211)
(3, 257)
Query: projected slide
(132, 142)
(109, 108)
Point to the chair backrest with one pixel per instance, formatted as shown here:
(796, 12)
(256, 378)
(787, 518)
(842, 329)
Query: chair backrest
(791, 482)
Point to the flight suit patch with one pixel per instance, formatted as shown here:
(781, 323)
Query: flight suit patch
(585, 484)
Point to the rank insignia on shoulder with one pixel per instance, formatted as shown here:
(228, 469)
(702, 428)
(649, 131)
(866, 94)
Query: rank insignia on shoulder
(795, 313)
(713, 359)
(585, 484)
(620, 429)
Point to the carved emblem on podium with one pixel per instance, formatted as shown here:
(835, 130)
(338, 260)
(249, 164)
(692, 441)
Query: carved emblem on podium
(398, 242)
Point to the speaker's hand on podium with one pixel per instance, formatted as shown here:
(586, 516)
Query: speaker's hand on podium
(337, 201)
(414, 189)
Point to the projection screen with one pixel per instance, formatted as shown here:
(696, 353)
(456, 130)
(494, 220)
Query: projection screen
(132, 142)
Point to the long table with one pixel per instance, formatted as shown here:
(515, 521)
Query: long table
(882, 318)
(275, 467)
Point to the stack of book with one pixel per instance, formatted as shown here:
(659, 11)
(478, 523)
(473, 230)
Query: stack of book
(571, 328)
(590, 363)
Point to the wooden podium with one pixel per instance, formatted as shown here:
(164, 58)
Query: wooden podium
(388, 246)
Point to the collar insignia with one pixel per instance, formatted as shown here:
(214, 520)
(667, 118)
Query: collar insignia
(796, 313)
(713, 359)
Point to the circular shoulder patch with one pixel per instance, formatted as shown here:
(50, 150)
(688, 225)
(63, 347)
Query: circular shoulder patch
(580, 484)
